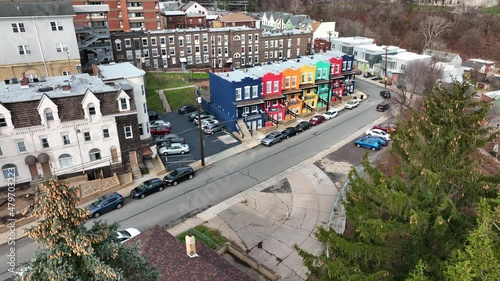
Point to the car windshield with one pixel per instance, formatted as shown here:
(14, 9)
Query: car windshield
(174, 173)
(315, 118)
(123, 234)
(270, 136)
(97, 202)
(142, 186)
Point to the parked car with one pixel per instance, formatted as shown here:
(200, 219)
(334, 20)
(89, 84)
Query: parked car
(168, 139)
(332, 113)
(127, 234)
(317, 119)
(174, 148)
(385, 94)
(191, 116)
(272, 138)
(160, 123)
(367, 143)
(185, 109)
(212, 128)
(351, 104)
(153, 115)
(148, 187)
(209, 121)
(159, 130)
(105, 204)
(202, 117)
(302, 126)
(380, 140)
(289, 132)
(386, 127)
(179, 174)
(378, 133)
(382, 107)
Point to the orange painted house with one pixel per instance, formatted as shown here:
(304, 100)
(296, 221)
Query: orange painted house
(291, 91)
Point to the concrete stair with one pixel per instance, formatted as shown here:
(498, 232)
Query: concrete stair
(243, 129)
(136, 172)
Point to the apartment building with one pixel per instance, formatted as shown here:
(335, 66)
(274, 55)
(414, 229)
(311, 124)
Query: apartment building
(38, 39)
(235, 47)
(123, 15)
(65, 126)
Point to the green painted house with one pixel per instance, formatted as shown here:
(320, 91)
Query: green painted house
(322, 79)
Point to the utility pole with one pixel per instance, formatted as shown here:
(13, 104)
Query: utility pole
(385, 72)
(202, 151)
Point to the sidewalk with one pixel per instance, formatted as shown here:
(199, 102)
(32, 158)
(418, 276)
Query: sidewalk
(246, 144)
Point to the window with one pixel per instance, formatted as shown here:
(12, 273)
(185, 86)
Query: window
(304, 78)
(56, 25)
(61, 47)
(287, 82)
(276, 84)
(130, 55)
(105, 133)
(45, 142)
(128, 132)
(254, 108)
(294, 81)
(163, 53)
(145, 53)
(118, 46)
(268, 86)
(266, 45)
(128, 43)
(256, 37)
(196, 39)
(154, 52)
(86, 136)
(9, 171)
(171, 40)
(172, 51)
(24, 49)
(310, 79)
(153, 41)
(18, 27)
(188, 39)
(21, 147)
(49, 116)
(255, 92)
(94, 154)
(141, 130)
(123, 104)
(205, 48)
(181, 42)
(162, 41)
(144, 42)
(65, 161)
(66, 140)
(247, 92)
(238, 94)
(189, 50)
(205, 37)
(236, 38)
(3, 121)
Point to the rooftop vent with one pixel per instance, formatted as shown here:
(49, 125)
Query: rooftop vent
(42, 78)
(191, 246)
(44, 89)
(66, 86)
(14, 80)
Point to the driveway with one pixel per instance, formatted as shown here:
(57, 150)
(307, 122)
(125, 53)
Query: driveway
(214, 144)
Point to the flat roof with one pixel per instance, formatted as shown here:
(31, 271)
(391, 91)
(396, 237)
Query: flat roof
(234, 76)
(12, 93)
(376, 48)
(173, 13)
(408, 56)
(121, 70)
(357, 40)
(91, 8)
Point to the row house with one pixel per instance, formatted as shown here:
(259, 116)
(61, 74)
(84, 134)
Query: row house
(346, 45)
(123, 15)
(235, 47)
(38, 40)
(263, 96)
(65, 126)
(236, 19)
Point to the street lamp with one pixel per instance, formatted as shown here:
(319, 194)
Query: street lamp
(202, 151)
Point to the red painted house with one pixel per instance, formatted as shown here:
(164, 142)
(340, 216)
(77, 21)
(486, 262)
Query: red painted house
(336, 78)
(272, 83)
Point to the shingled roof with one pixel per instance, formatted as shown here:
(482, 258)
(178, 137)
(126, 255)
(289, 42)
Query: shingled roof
(169, 256)
(36, 8)
(237, 17)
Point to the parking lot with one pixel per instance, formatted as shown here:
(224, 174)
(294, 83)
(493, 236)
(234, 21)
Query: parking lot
(181, 126)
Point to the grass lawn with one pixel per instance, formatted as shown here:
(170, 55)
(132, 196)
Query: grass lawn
(491, 10)
(211, 238)
(179, 97)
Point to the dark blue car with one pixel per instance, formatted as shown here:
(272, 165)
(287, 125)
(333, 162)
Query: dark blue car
(380, 140)
(105, 204)
(367, 143)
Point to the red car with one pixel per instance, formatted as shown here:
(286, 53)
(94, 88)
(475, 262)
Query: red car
(160, 130)
(386, 127)
(317, 119)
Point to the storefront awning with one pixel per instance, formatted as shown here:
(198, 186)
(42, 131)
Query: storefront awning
(272, 97)
(248, 103)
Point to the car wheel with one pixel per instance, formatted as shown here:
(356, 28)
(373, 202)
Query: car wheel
(182, 152)
(174, 183)
(370, 135)
(191, 177)
(358, 145)
(212, 133)
(373, 148)
(142, 196)
(287, 137)
(161, 188)
(119, 206)
(270, 144)
(165, 153)
(96, 215)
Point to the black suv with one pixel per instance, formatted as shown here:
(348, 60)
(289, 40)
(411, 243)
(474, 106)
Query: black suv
(302, 126)
(146, 188)
(153, 115)
(385, 94)
(382, 107)
(178, 175)
(185, 109)
(289, 132)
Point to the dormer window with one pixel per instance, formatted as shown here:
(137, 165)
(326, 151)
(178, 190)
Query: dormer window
(92, 110)
(3, 121)
(123, 104)
(49, 116)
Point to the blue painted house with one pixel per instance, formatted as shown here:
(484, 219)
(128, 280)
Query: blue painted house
(236, 95)
(348, 74)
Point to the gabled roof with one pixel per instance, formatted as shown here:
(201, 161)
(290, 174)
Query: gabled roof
(169, 256)
(476, 63)
(171, 7)
(236, 17)
(188, 5)
(441, 55)
(315, 25)
(13, 9)
(296, 20)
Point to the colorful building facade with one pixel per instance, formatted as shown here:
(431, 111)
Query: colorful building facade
(336, 85)
(273, 99)
(307, 87)
(291, 91)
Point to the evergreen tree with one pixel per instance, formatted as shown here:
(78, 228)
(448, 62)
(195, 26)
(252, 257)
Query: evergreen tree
(69, 251)
(408, 224)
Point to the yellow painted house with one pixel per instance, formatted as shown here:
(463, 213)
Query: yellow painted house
(307, 87)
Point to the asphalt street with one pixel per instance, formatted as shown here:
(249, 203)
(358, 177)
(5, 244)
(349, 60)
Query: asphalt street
(230, 176)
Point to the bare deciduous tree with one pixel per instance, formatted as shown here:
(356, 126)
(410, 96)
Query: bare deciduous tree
(351, 28)
(432, 27)
(420, 77)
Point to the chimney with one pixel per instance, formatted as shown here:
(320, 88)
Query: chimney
(66, 86)
(191, 246)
